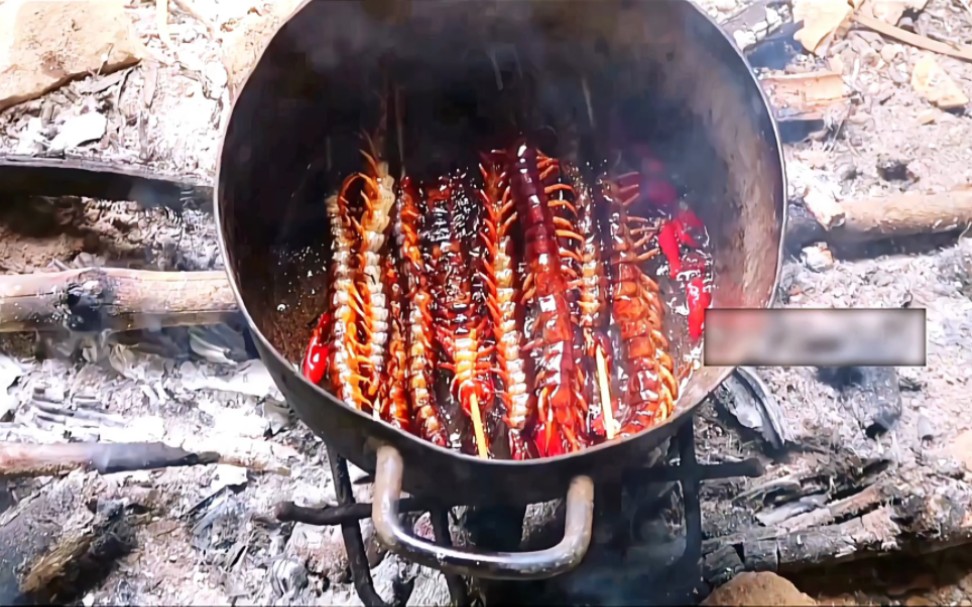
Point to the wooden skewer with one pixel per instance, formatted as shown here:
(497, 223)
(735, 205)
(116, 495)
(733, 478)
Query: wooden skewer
(602, 381)
(477, 420)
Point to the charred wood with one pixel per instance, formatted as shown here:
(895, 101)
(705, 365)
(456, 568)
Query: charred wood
(871, 219)
(56, 543)
(19, 460)
(872, 394)
(33, 176)
(98, 299)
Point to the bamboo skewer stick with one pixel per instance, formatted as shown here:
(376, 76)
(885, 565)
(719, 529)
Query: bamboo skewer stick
(477, 419)
(602, 382)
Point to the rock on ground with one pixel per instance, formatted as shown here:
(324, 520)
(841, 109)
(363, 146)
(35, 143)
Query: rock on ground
(49, 43)
(762, 588)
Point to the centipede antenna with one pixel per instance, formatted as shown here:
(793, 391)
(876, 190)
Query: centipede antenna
(399, 129)
(516, 62)
(496, 69)
(587, 101)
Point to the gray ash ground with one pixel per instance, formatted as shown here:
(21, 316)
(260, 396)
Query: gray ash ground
(214, 540)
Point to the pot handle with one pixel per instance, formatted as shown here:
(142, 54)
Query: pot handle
(535, 565)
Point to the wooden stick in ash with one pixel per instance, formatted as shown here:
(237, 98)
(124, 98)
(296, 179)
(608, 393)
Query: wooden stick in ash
(26, 459)
(96, 299)
(872, 219)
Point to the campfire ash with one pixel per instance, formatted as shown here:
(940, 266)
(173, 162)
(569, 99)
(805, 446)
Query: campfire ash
(166, 451)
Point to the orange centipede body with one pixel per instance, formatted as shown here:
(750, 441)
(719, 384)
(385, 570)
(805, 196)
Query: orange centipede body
(504, 306)
(343, 369)
(560, 402)
(462, 330)
(420, 355)
(394, 406)
(378, 197)
(651, 387)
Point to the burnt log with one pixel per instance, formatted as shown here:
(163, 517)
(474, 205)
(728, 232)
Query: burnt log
(891, 517)
(55, 543)
(872, 219)
(18, 460)
(117, 299)
(39, 176)
(871, 394)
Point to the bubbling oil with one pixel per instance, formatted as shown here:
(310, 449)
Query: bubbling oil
(580, 276)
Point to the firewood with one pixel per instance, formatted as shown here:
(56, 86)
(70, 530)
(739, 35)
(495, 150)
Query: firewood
(893, 516)
(871, 219)
(32, 176)
(60, 536)
(22, 459)
(871, 394)
(97, 299)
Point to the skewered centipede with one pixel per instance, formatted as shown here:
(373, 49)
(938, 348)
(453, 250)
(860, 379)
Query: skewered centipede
(524, 290)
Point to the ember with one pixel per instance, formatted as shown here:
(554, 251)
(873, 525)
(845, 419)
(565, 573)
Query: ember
(525, 285)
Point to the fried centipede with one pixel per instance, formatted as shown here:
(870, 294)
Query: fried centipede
(592, 303)
(420, 357)
(343, 369)
(463, 325)
(651, 388)
(392, 404)
(560, 400)
(504, 305)
(378, 197)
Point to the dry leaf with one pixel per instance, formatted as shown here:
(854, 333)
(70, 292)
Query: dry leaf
(890, 11)
(934, 84)
(929, 116)
(806, 88)
(820, 18)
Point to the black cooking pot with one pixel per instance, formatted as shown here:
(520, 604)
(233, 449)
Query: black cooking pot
(658, 70)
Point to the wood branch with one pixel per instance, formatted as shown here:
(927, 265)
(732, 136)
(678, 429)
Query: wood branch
(33, 176)
(905, 215)
(872, 219)
(24, 459)
(58, 538)
(97, 299)
(890, 517)
(959, 51)
(874, 533)
(824, 208)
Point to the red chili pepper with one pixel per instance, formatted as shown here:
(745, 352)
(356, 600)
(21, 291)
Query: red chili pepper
(668, 241)
(698, 297)
(694, 261)
(316, 357)
(685, 220)
(660, 192)
(547, 441)
(650, 163)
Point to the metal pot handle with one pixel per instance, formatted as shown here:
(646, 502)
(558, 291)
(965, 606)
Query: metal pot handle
(539, 564)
